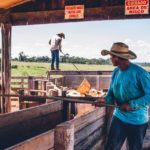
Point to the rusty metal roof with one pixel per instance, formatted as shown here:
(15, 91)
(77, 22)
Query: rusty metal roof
(6, 4)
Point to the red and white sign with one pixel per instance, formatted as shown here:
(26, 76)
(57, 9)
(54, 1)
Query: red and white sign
(74, 12)
(133, 7)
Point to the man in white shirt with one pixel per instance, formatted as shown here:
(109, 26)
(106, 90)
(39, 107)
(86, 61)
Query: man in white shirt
(55, 47)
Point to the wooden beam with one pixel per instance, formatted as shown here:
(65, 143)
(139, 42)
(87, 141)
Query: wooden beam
(57, 16)
(89, 129)
(64, 136)
(6, 66)
(91, 141)
(27, 114)
(83, 127)
(21, 125)
(10, 4)
(84, 120)
(79, 73)
(44, 141)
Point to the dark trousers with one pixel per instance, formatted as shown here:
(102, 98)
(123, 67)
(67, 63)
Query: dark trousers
(55, 56)
(119, 131)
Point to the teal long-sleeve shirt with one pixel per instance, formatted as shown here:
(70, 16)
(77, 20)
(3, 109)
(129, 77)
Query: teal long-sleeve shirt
(131, 85)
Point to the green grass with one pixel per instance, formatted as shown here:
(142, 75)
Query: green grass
(40, 69)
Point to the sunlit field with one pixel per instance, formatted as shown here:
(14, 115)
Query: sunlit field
(40, 69)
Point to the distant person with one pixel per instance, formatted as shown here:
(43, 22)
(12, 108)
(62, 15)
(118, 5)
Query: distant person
(55, 47)
(130, 91)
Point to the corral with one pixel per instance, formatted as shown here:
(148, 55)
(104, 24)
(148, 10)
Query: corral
(50, 125)
(46, 126)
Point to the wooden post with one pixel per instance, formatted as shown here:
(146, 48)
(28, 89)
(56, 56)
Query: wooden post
(6, 66)
(64, 136)
(62, 4)
(65, 110)
(30, 83)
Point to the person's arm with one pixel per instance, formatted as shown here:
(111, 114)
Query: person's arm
(59, 43)
(49, 42)
(60, 48)
(144, 82)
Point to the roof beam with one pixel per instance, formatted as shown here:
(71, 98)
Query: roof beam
(10, 4)
(57, 16)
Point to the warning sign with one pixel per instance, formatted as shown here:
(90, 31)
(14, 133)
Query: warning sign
(133, 7)
(74, 12)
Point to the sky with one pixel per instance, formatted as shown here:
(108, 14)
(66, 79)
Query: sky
(84, 39)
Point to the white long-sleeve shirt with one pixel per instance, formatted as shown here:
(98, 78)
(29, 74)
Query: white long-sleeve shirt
(55, 43)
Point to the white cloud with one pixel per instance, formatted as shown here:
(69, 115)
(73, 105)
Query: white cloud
(141, 48)
(84, 39)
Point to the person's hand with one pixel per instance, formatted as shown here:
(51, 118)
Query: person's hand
(126, 107)
(100, 102)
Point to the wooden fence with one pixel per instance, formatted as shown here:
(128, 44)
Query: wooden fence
(84, 132)
(24, 83)
(31, 83)
(21, 125)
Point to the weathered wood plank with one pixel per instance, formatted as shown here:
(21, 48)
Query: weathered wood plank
(44, 141)
(91, 140)
(84, 120)
(103, 82)
(89, 130)
(16, 133)
(30, 123)
(27, 114)
(99, 82)
(10, 4)
(18, 83)
(99, 145)
(64, 136)
(18, 77)
(5, 67)
(79, 73)
(57, 16)
(75, 80)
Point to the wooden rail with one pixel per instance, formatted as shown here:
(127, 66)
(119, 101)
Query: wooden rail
(31, 83)
(84, 132)
(44, 141)
(21, 125)
(26, 84)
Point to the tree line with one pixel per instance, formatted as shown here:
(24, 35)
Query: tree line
(64, 59)
(67, 59)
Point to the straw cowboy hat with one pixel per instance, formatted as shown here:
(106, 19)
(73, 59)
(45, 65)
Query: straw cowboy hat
(61, 35)
(121, 50)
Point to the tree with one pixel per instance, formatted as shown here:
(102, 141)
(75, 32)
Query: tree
(22, 56)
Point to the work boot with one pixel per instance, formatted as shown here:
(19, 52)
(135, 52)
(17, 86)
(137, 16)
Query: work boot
(52, 68)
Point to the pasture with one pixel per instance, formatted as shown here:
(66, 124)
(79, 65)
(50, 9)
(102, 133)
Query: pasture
(40, 69)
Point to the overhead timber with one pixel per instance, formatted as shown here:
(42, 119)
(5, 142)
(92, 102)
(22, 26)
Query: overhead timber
(25, 12)
(6, 4)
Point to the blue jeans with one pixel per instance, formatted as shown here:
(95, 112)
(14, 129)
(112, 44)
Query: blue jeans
(119, 131)
(55, 56)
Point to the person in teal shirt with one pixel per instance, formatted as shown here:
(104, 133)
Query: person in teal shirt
(130, 91)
